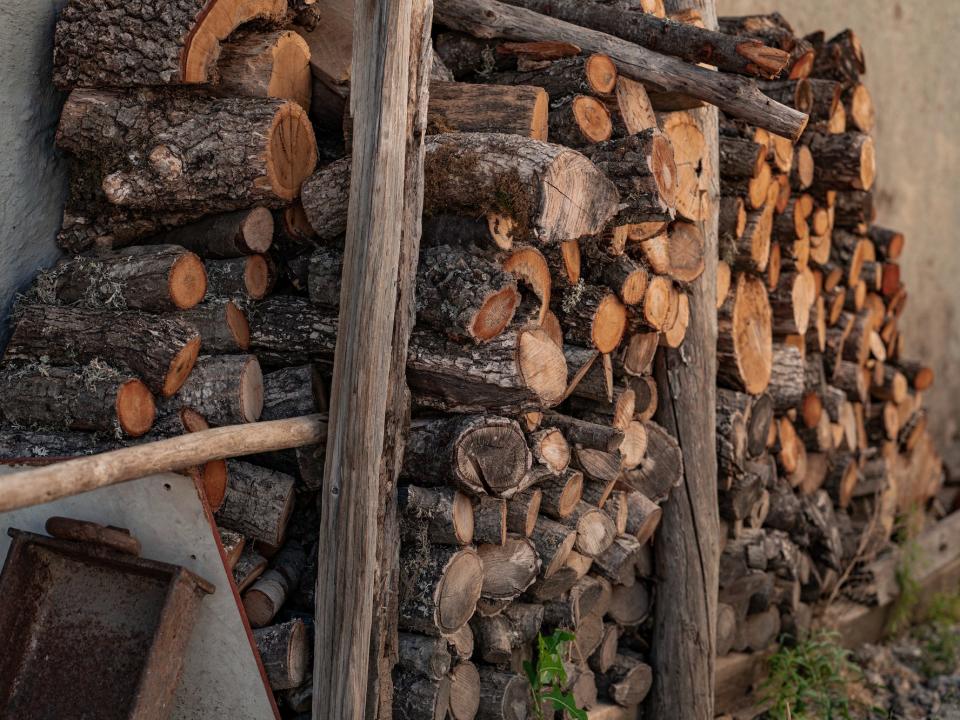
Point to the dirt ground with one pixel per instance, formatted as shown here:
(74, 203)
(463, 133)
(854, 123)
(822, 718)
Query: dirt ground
(910, 48)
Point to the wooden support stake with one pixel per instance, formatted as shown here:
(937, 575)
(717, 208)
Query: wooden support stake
(388, 99)
(687, 551)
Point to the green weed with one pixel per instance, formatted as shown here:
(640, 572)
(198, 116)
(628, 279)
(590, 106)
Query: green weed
(547, 676)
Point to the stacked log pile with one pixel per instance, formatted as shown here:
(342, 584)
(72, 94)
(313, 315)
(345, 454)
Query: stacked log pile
(821, 431)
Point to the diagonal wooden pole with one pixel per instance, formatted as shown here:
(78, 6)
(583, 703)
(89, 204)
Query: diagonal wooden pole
(384, 215)
(687, 548)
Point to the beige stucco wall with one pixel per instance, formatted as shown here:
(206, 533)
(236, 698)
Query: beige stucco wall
(911, 49)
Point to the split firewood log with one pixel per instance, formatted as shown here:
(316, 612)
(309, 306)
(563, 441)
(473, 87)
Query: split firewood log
(841, 58)
(585, 75)
(92, 397)
(97, 45)
(227, 235)
(285, 653)
(417, 696)
(258, 502)
(523, 511)
(233, 544)
(744, 339)
(131, 145)
(661, 471)
(480, 454)
(595, 530)
(249, 566)
(274, 64)
(158, 278)
(643, 169)
(448, 514)
(553, 543)
(490, 521)
(263, 600)
(560, 493)
(677, 254)
(520, 109)
(497, 637)
(643, 516)
(251, 276)
(162, 351)
(617, 563)
(477, 173)
(844, 161)
(591, 315)
(627, 682)
(439, 587)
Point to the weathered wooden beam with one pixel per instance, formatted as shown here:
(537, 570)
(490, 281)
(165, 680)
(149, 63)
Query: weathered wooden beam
(72, 477)
(365, 363)
(734, 94)
(687, 549)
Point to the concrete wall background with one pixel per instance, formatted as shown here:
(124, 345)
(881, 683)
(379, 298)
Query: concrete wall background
(32, 174)
(910, 49)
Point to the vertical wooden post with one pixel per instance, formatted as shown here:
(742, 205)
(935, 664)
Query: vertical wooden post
(687, 549)
(385, 205)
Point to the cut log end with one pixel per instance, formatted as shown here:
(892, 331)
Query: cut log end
(180, 367)
(136, 409)
(257, 227)
(495, 314)
(257, 277)
(187, 281)
(459, 591)
(291, 151)
(542, 365)
(213, 477)
(601, 73)
(868, 164)
(609, 324)
(592, 118)
(251, 390)
(752, 338)
(239, 325)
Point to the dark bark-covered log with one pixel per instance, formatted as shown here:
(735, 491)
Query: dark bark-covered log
(490, 521)
(152, 152)
(797, 93)
(591, 316)
(153, 278)
(111, 43)
(841, 59)
(92, 397)
(285, 653)
(580, 75)
(258, 502)
(627, 682)
(560, 492)
(480, 454)
(251, 276)
(888, 243)
(825, 97)
(523, 511)
(732, 219)
(617, 562)
(478, 173)
(503, 695)
(643, 169)
(417, 697)
(643, 516)
(689, 42)
(162, 351)
(265, 597)
(466, 107)
(750, 250)
(579, 121)
(292, 392)
(233, 544)
(439, 587)
(223, 326)
(553, 543)
(744, 340)
(250, 565)
(447, 513)
(732, 94)
(225, 389)
(227, 235)
(854, 210)
(586, 434)
(741, 157)
(497, 637)
(843, 161)
(429, 656)
(663, 469)
(464, 296)
(786, 387)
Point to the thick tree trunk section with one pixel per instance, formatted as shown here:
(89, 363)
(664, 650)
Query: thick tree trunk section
(94, 397)
(112, 43)
(736, 96)
(155, 279)
(162, 351)
(151, 151)
(258, 502)
(466, 107)
(688, 42)
(474, 174)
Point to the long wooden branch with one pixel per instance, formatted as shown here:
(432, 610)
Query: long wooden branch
(728, 53)
(738, 96)
(72, 477)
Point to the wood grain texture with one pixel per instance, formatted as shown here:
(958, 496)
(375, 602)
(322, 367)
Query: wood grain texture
(367, 358)
(687, 551)
(734, 94)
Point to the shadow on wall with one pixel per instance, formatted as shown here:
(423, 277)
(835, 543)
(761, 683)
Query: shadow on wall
(32, 173)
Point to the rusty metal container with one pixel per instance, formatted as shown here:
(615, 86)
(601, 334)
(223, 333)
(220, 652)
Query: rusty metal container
(90, 631)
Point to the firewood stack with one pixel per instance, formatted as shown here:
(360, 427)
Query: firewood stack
(821, 437)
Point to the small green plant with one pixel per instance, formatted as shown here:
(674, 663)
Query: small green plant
(809, 680)
(937, 632)
(547, 676)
